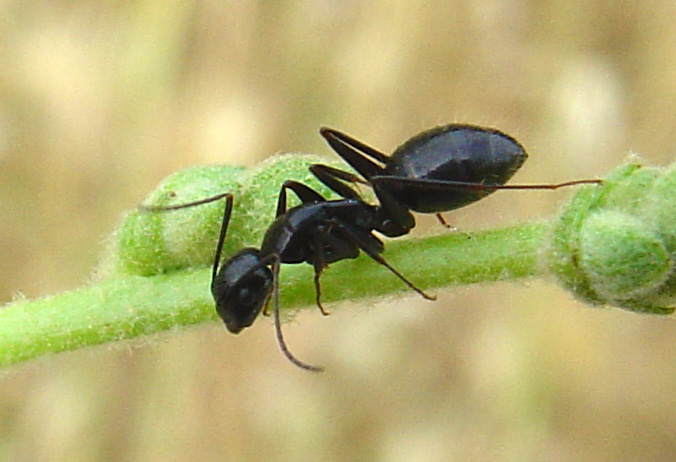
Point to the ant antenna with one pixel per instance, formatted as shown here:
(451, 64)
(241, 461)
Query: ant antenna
(164, 208)
(278, 324)
(544, 186)
(445, 185)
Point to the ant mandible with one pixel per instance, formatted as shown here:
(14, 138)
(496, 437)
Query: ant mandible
(318, 232)
(438, 170)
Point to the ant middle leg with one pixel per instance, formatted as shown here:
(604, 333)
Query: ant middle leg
(328, 248)
(306, 195)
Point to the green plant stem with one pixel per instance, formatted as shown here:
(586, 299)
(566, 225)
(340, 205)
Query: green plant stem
(127, 307)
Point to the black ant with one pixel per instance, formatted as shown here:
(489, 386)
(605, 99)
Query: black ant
(318, 232)
(436, 171)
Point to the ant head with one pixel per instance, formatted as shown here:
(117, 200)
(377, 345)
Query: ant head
(241, 288)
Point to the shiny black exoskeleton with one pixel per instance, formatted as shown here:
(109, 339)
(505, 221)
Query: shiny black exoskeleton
(436, 171)
(318, 232)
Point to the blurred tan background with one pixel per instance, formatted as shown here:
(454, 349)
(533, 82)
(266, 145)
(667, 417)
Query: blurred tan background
(101, 99)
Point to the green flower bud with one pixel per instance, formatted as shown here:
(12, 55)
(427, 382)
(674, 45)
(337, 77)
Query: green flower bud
(621, 257)
(660, 207)
(152, 242)
(609, 246)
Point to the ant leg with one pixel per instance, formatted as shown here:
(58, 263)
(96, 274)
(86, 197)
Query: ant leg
(443, 222)
(278, 325)
(356, 145)
(355, 153)
(372, 247)
(303, 192)
(449, 185)
(334, 179)
(319, 263)
(266, 308)
(329, 247)
(327, 170)
(281, 203)
(447, 225)
(318, 293)
(399, 219)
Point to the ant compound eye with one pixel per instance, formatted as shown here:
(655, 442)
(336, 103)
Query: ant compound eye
(247, 297)
(244, 304)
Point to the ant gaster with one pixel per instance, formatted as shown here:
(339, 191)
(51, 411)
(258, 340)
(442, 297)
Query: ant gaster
(318, 232)
(436, 171)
